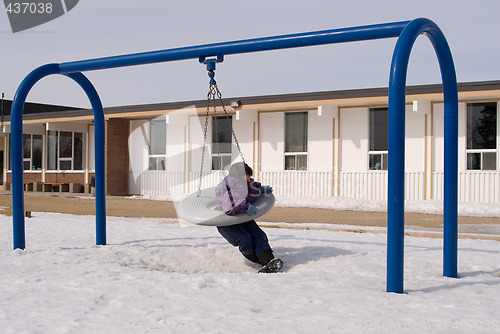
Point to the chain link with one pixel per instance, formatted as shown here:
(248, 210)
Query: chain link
(210, 97)
(219, 95)
(213, 93)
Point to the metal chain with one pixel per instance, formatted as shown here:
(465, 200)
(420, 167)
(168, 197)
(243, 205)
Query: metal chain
(219, 95)
(210, 96)
(215, 123)
(213, 92)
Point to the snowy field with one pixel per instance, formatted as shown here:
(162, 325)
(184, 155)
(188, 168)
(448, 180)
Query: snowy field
(341, 203)
(168, 278)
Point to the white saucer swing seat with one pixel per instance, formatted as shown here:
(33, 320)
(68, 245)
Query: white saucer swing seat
(199, 208)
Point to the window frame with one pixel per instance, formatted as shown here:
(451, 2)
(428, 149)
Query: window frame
(29, 159)
(65, 159)
(297, 155)
(384, 160)
(382, 154)
(481, 151)
(222, 159)
(156, 159)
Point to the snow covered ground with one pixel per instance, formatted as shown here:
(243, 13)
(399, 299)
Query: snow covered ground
(168, 278)
(341, 203)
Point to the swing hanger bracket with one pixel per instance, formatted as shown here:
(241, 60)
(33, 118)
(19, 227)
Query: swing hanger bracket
(210, 63)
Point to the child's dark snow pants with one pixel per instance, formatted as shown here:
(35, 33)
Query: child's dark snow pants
(250, 239)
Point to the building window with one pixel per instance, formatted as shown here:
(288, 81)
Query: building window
(65, 150)
(296, 141)
(222, 139)
(32, 152)
(157, 144)
(378, 140)
(482, 136)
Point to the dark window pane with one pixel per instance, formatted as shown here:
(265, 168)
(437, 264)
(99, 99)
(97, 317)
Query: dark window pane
(162, 163)
(221, 162)
(482, 125)
(221, 135)
(158, 143)
(215, 163)
(489, 161)
(26, 146)
(152, 163)
(52, 151)
(37, 152)
(379, 125)
(78, 151)
(301, 162)
(26, 165)
(65, 144)
(65, 165)
(296, 132)
(473, 161)
(290, 162)
(375, 162)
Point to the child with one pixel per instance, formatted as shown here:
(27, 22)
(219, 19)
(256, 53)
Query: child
(235, 194)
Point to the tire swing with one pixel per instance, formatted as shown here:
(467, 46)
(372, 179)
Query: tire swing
(199, 208)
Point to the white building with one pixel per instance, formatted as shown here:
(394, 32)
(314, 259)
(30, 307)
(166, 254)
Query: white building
(311, 144)
(327, 144)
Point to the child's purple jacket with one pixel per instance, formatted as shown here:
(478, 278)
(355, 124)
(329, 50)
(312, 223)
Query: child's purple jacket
(232, 195)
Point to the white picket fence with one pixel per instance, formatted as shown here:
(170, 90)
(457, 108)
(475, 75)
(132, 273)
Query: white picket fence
(373, 185)
(170, 183)
(298, 183)
(478, 187)
(473, 187)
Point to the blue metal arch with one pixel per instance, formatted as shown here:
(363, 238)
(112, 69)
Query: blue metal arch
(407, 31)
(17, 151)
(395, 210)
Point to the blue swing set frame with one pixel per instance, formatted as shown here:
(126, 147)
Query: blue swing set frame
(406, 31)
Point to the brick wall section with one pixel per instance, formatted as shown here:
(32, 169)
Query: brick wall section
(78, 177)
(117, 131)
(28, 177)
(64, 177)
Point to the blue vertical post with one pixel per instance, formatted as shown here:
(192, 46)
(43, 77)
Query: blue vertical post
(16, 123)
(395, 209)
(450, 201)
(100, 182)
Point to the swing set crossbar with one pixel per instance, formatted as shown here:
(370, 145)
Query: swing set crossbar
(333, 36)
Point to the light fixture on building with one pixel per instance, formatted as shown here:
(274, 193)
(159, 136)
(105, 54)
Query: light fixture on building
(236, 104)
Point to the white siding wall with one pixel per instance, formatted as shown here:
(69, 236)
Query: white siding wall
(320, 145)
(272, 149)
(176, 144)
(354, 123)
(415, 140)
(196, 125)
(462, 136)
(438, 135)
(138, 143)
(244, 129)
